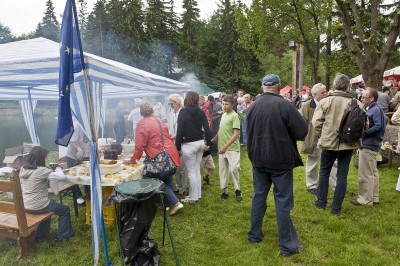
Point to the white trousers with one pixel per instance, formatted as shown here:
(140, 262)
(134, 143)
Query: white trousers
(192, 153)
(229, 164)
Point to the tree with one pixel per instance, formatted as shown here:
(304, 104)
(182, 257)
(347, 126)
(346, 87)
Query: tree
(371, 30)
(126, 23)
(188, 33)
(95, 34)
(82, 16)
(5, 34)
(49, 27)
(161, 29)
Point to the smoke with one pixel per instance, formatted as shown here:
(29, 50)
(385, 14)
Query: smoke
(191, 79)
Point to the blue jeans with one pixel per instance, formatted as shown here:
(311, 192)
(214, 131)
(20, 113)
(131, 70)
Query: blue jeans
(243, 128)
(169, 191)
(64, 220)
(263, 178)
(328, 157)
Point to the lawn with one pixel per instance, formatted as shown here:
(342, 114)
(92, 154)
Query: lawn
(213, 232)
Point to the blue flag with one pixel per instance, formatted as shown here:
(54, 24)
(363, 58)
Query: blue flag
(71, 61)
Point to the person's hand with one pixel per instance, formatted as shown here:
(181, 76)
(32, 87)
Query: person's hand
(222, 150)
(206, 148)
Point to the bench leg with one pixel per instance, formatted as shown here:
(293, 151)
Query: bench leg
(26, 244)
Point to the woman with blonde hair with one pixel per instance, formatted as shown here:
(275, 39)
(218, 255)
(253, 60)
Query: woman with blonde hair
(190, 141)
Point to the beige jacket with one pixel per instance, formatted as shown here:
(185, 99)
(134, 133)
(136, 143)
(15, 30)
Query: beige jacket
(327, 118)
(307, 110)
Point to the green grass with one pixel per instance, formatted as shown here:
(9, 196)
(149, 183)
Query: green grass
(213, 232)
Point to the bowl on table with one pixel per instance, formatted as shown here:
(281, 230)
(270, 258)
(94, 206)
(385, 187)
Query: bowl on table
(109, 167)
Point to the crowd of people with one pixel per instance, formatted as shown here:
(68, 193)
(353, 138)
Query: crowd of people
(194, 130)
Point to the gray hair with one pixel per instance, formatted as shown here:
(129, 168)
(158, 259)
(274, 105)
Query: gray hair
(341, 82)
(176, 98)
(316, 88)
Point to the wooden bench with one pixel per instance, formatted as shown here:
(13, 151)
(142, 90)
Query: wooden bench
(15, 223)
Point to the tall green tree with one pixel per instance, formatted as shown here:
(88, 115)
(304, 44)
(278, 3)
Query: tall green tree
(82, 16)
(49, 27)
(161, 24)
(371, 29)
(126, 23)
(95, 40)
(233, 59)
(188, 33)
(5, 34)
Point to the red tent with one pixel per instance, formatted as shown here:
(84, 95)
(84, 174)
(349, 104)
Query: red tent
(285, 90)
(306, 88)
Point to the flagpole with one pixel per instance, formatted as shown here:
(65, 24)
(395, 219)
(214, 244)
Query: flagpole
(94, 130)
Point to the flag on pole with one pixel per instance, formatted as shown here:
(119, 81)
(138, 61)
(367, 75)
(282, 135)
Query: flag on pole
(71, 61)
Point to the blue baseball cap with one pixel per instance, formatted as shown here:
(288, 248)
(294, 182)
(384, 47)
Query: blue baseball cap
(271, 80)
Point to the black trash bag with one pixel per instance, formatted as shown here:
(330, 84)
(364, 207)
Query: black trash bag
(147, 254)
(137, 212)
(135, 223)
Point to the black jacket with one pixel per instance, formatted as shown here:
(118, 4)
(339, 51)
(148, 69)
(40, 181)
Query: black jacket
(191, 122)
(273, 127)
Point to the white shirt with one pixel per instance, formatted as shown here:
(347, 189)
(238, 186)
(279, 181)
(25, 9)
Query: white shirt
(172, 122)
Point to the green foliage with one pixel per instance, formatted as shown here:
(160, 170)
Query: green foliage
(49, 27)
(5, 34)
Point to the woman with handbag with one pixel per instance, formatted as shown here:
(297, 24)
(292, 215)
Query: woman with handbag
(192, 129)
(162, 158)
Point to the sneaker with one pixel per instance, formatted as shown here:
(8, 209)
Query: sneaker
(224, 196)
(80, 201)
(189, 200)
(238, 194)
(176, 208)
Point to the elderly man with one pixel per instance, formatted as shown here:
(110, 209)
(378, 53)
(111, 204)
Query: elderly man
(309, 146)
(274, 125)
(368, 175)
(326, 121)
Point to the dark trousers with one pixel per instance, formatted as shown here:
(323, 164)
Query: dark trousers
(64, 220)
(263, 178)
(328, 157)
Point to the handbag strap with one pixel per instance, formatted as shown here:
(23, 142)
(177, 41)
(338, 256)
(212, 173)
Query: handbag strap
(162, 135)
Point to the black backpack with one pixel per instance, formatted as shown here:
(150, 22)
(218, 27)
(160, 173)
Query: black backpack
(353, 124)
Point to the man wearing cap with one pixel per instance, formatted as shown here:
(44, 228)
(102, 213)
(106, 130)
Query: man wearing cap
(309, 146)
(274, 125)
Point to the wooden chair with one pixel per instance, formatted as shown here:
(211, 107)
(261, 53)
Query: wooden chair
(15, 223)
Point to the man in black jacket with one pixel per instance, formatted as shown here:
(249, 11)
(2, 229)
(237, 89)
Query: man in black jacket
(274, 125)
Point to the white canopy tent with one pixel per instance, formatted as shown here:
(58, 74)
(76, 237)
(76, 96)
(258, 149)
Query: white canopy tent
(29, 71)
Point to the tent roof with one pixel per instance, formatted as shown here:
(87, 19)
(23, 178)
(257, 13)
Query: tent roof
(285, 89)
(34, 63)
(392, 73)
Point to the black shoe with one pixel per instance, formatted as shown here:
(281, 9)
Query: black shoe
(336, 212)
(355, 203)
(206, 179)
(224, 196)
(313, 191)
(300, 248)
(375, 203)
(238, 194)
(316, 204)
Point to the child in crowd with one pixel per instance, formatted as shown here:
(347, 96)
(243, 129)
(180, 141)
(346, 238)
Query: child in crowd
(229, 148)
(207, 163)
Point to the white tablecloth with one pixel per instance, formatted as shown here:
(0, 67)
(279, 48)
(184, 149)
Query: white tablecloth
(80, 175)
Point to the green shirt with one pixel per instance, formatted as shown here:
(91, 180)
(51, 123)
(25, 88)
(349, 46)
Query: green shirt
(229, 122)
